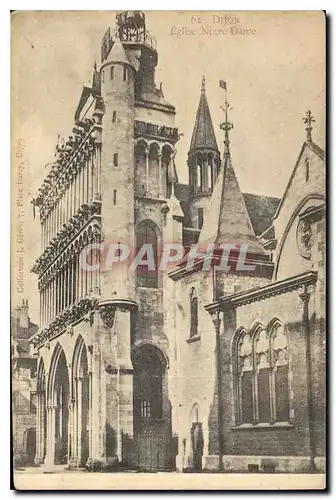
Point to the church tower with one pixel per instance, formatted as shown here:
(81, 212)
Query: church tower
(203, 161)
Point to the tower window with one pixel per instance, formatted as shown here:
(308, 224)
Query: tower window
(147, 276)
(307, 169)
(193, 313)
(114, 117)
(200, 218)
(125, 74)
(115, 159)
(112, 72)
(114, 196)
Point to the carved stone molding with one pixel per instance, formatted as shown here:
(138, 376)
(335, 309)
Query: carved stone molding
(303, 238)
(65, 320)
(107, 313)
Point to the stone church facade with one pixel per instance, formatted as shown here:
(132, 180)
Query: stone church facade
(194, 368)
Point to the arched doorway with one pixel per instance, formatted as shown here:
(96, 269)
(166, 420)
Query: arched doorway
(80, 398)
(151, 409)
(30, 445)
(61, 405)
(196, 440)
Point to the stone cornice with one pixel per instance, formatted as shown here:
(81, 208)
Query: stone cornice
(256, 294)
(153, 131)
(168, 108)
(82, 310)
(70, 316)
(185, 269)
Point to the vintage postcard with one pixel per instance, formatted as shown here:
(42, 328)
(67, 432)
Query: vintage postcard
(168, 250)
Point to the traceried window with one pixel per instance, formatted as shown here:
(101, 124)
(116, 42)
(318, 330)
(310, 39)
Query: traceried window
(193, 313)
(261, 381)
(147, 274)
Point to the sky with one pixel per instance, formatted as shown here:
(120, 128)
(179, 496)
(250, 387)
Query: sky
(273, 76)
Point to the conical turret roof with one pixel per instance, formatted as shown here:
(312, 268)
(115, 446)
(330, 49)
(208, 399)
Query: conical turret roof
(226, 218)
(117, 54)
(203, 134)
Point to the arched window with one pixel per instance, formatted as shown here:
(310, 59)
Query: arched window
(307, 169)
(148, 379)
(147, 274)
(193, 313)
(210, 167)
(261, 376)
(199, 173)
(279, 347)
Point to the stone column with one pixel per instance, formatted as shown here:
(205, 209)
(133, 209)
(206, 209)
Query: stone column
(71, 433)
(125, 381)
(79, 419)
(216, 319)
(75, 423)
(305, 297)
(39, 431)
(90, 419)
(160, 173)
(50, 454)
(147, 169)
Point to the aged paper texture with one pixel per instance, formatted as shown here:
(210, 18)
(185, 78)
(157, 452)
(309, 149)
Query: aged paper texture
(168, 250)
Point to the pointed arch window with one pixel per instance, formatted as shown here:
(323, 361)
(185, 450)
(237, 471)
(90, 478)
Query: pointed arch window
(147, 275)
(193, 313)
(261, 376)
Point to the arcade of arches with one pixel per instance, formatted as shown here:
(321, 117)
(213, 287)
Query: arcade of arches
(65, 427)
(63, 401)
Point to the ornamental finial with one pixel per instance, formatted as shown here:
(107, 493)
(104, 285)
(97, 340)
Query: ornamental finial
(308, 120)
(203, 83)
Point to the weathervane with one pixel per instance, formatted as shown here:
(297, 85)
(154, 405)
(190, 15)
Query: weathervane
(226, 125)
(308, 120)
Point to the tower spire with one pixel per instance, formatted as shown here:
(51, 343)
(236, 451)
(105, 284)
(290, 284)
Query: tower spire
(308, 120)
(226, 125)
(203, 134)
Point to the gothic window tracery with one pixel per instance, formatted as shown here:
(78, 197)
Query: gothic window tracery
(261, 377)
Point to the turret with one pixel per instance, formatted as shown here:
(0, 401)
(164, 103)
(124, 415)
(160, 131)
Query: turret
(203, 161)
(117, 76)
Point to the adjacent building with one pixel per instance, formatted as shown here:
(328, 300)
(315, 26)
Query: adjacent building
(24, 366)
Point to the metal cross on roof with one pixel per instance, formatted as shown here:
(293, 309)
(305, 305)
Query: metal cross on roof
(226, 126)
(308, 120)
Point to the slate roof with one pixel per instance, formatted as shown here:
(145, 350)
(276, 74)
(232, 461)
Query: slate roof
(261, 210)
(226, 218)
